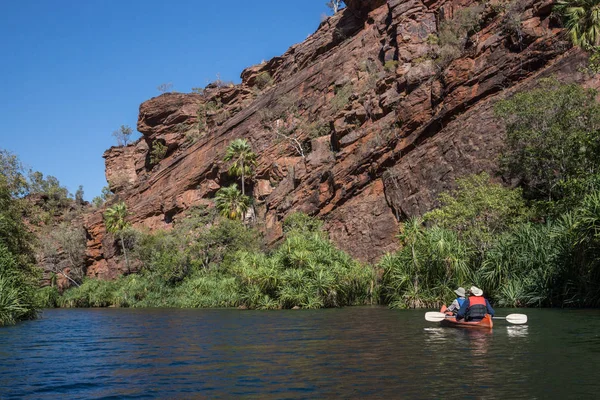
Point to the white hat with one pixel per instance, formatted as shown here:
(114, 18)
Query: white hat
(460, 291)
(476, 291)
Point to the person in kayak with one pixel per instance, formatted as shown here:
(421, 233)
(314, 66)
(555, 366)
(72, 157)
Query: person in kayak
(458, 302)
(475, 307)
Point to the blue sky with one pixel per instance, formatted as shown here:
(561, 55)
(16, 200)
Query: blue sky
(74, 71)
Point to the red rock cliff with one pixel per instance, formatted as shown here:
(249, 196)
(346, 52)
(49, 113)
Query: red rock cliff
(385, 125)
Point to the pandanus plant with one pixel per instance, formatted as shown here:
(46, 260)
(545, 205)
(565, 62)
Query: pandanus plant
(582, 21)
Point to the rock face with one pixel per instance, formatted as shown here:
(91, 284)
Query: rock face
(384, 122)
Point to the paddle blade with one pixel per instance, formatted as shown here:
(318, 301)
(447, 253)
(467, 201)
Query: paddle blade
(517, 318)
(434, 316)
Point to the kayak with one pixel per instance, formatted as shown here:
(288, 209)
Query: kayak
(450, 321)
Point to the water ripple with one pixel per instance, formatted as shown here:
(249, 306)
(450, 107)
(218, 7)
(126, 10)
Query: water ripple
(347, 353)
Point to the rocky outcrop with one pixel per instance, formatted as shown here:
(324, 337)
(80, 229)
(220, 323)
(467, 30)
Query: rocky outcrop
(386, 119)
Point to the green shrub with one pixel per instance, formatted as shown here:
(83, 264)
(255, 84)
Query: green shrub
(301, 223)
(553, 135)
(479, 209)
(305, 271)
(342, 97)
(391, 65)
(47, 297)
(453, 33)
(158, 152)
(91, 293)
(263, 80)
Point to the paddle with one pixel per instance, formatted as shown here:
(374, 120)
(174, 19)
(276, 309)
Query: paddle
(514, 318)
(434, 316)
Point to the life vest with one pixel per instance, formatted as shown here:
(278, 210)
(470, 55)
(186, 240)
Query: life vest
(477, 308)
(461, 301)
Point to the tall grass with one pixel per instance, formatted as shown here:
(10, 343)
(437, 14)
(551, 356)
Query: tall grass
(16, 290)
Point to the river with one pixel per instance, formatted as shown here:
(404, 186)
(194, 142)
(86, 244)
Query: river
(362, 352)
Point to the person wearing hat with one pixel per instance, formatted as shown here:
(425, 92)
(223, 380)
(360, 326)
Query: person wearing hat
(475, 307)
(458, 302)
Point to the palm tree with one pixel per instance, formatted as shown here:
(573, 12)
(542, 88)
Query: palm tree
(231, 203)
(582, 21)
(243, 158)
(114, 220)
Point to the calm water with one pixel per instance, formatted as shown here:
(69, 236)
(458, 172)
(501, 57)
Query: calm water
(346, 353)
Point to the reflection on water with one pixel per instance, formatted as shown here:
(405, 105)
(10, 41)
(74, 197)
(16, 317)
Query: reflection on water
(517, 331)
(346, 353)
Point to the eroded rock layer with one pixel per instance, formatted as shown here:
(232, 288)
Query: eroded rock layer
(385, 117)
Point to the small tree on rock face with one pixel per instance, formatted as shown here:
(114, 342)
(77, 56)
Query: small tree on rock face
(231, 203)
(115, 222)
(335, 5)
(243, 158)
(123, 135)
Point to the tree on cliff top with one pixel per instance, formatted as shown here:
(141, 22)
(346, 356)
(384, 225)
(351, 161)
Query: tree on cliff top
(335, 5)
(115, 222)
(243, 158)
(123, 135)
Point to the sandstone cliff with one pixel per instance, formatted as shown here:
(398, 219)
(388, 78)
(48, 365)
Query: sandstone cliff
(385, 115)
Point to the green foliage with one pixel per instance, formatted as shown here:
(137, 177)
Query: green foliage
(158, 152)
(115, 218)
(263, 80)
(429, 265)
(582, 21)
(79, 195)
(17, 276)
(115, 222)
(105, 195)
(454, 33)
(342, 97)
(522, 266)
(47, 297)
(13, 234)
(16, 289)
(479, 209)
(316, 129)
(302, 224)
(231, 203)
(552, 136)
(224, 267)
(242, 158)
(56, 196)
(12, 171)
(391, 65)
(306, 271)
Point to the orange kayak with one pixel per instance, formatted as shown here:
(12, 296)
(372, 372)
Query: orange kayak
(485, 323)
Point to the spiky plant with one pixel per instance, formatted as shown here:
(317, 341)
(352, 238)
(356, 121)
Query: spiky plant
(582, 21)
(232, 203)
(244, 160)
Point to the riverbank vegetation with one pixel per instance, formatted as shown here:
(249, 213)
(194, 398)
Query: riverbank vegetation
(223, 265)
(528, 234)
